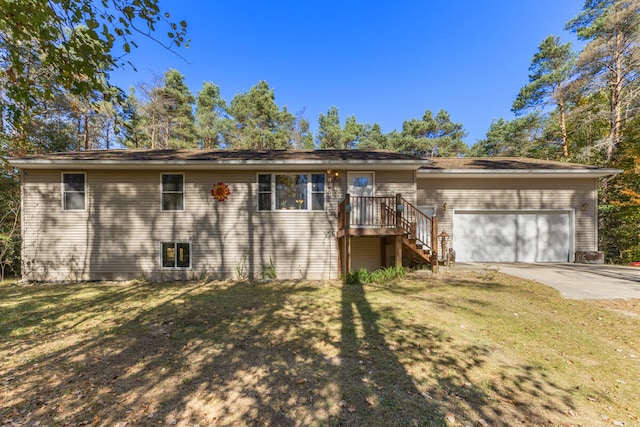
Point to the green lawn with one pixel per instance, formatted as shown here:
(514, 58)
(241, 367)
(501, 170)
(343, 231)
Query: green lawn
(461, 348)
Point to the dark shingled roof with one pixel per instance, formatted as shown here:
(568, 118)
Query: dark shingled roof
(222, 155)
(501, 163)
(270, 159)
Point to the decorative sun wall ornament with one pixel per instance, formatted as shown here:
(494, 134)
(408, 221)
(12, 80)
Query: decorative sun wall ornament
(221, 191)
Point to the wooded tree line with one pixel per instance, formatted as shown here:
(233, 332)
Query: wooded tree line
(55, 57)
(165, 113)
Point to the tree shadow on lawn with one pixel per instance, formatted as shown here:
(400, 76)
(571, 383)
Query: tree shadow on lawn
(276, 354)
(413, 373)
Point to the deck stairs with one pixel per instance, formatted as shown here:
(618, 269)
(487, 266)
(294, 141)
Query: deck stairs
(391, 216)
(415, 252)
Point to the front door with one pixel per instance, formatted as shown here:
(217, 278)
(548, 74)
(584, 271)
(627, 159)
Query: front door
(361, 185)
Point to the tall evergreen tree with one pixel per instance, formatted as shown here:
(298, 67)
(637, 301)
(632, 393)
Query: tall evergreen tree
(611, 60)
(132, 134)
(430, 137)
(351, 132)
(210, 111)
(549, 80)
(515, 138)
(372, 138)
(259, 123)
(177, 101)
(329, 130)
(333, 136)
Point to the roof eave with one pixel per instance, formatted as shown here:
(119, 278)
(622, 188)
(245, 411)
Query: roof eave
(218, 164)
(519, 173)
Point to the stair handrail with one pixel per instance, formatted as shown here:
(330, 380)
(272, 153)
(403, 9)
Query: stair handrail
(415, 223)
(388, 212)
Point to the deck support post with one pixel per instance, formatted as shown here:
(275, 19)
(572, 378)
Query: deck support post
(340, 256)
(434, 245)
(398, 239)
(346, 242)
(398, 247)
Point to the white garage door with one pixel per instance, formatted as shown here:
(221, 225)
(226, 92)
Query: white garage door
(509, 236)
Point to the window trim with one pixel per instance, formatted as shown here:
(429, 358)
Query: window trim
(175, 246)
(259, 193)
(63, 192)
(310, 192)
(184, 191)
(323, 192)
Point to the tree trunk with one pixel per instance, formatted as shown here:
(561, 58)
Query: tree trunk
(153, 129)
(85, 131)
(107, 136)
(76, 145)
(563, 128)
(166, 133)
(615, 93)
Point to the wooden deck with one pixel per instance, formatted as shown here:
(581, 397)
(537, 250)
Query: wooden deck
(364, 232)
(390, 217)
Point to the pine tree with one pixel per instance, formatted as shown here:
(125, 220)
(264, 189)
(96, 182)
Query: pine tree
(331, 134)
(210, 115)
(549, 81)
(430, 137)
(177, 102)
(258, 123)
(611, 59)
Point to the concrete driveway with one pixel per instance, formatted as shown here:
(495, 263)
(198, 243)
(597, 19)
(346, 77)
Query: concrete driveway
(577, 281)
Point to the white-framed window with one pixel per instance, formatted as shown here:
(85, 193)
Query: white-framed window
(175, 254)
(291, 191)
(317, 192)
(74, 194)
(264, 192)
(172, 188)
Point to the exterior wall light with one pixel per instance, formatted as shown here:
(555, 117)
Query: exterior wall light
(332, 175)
(444, 206)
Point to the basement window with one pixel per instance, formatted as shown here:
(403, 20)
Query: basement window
(176, 254)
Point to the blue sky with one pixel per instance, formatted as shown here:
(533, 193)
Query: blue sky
(381, 61)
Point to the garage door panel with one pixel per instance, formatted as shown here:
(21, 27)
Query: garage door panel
(512, 236)
(527, 244)
(478, 247)
(553, 238)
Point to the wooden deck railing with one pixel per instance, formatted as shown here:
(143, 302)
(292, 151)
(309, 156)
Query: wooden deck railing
(419, 226)
(387, 212)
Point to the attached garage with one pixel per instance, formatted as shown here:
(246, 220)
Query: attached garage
(513, 236)
(513, 209)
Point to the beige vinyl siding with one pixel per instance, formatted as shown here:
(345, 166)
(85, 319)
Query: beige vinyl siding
(119, 235)
(515, 194)
(365, 253)
(42, 216)
(390, 183)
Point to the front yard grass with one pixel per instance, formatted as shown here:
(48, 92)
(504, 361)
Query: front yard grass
(462, 348)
